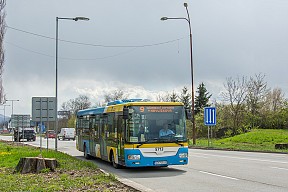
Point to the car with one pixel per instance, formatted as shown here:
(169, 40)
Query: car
(24, 133)
(67, 133)
(51, 134)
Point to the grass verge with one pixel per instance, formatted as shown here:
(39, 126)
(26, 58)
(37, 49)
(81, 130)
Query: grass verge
(255, 140)
(72, 175)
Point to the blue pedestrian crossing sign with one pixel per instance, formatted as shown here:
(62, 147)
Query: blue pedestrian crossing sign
(210, 115)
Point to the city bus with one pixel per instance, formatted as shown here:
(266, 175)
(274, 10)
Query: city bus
(134, 133)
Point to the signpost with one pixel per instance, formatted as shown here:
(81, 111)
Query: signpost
(44, 109)
(210, 119)
(20, 121)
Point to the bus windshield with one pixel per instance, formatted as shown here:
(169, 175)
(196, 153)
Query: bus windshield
(156, 123)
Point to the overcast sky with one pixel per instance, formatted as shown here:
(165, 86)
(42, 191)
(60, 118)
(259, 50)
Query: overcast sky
(230, 38)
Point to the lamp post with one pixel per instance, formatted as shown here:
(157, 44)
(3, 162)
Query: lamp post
(56, 91)
(188, 20)
(12, 100)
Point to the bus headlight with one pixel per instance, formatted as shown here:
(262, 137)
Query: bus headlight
(183, 155)
(133, 157)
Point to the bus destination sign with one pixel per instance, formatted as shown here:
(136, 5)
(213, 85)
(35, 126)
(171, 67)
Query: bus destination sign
(157, 109)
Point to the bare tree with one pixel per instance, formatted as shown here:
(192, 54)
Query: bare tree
(74, 105)
(2, 58)
(163, 97)
(115, 95)
(235, 95)
(168, 97)
(256, 92)
(274, 101)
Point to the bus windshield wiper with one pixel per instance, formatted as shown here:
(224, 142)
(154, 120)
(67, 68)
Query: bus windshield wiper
(177, 142)
(147, 141)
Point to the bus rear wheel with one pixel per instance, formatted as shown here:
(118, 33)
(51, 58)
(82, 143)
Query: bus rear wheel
(86, 155)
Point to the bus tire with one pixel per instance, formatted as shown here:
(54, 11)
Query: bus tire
(115, 165)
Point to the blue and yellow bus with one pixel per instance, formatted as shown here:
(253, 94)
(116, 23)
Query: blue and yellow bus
(134, 133)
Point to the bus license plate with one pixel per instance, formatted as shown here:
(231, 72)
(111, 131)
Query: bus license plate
(160, 162)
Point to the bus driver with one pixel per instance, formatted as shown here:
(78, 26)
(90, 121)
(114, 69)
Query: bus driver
(165, 131)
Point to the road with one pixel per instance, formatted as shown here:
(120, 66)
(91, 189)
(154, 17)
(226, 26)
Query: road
(207, 170)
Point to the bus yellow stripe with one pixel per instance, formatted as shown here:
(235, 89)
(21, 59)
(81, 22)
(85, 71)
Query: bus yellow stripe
(151, 145)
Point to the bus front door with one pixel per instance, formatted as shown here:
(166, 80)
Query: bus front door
(121, 140)
(103, 139)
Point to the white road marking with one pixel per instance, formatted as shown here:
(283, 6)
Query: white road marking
(242, 158)
(280, 168)
(218, 175)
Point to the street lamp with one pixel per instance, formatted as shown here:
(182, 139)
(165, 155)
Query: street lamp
(56, 92)
(188, 20)
(12, 100)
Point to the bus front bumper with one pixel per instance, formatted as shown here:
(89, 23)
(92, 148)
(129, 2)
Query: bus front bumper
(136, 159)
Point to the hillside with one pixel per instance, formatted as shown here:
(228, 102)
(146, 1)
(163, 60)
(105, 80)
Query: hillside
(258, 140)
(2, 118)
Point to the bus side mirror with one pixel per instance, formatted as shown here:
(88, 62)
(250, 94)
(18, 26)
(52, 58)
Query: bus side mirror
(125, 113)
(188, 114)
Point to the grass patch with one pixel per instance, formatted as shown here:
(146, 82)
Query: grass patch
(73, 174)
(255, 140)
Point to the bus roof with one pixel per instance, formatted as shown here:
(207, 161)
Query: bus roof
(118, 105)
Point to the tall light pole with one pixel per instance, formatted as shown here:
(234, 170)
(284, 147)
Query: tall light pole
(12, 100)
(56, 91)
(188, 20)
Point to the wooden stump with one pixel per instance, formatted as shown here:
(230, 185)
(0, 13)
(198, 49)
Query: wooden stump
(35, 165)
(281, 146)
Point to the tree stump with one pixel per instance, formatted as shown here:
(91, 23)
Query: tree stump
(35, 165)
(281, 146)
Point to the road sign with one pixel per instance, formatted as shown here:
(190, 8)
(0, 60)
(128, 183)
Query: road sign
(44, 109)
(210, 115)
(63, 113)
(20, 120)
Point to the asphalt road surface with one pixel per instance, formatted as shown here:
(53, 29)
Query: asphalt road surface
(207, 170)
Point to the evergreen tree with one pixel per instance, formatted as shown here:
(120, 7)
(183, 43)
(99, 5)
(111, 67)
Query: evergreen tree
(185, 97)
(202, 99)
(173, 97)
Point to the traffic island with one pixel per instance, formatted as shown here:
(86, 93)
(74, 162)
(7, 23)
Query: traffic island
(36, 165)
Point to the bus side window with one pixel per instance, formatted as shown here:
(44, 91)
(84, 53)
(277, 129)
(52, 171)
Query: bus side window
(79, 126)
(110, 125)
(96, 126)
(85, 125)
(92, 126)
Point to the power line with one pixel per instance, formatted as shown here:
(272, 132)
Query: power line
(97, 45)
(67, 58)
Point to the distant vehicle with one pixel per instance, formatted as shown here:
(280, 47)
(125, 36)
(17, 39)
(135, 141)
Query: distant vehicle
(24, 133)
(67, 133)
(5, 131)
(51, 134)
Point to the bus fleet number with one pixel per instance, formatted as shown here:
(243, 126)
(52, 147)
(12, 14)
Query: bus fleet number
(158, 148)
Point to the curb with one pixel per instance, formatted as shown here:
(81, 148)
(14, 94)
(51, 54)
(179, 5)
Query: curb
(130, 183)
(241, 150)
